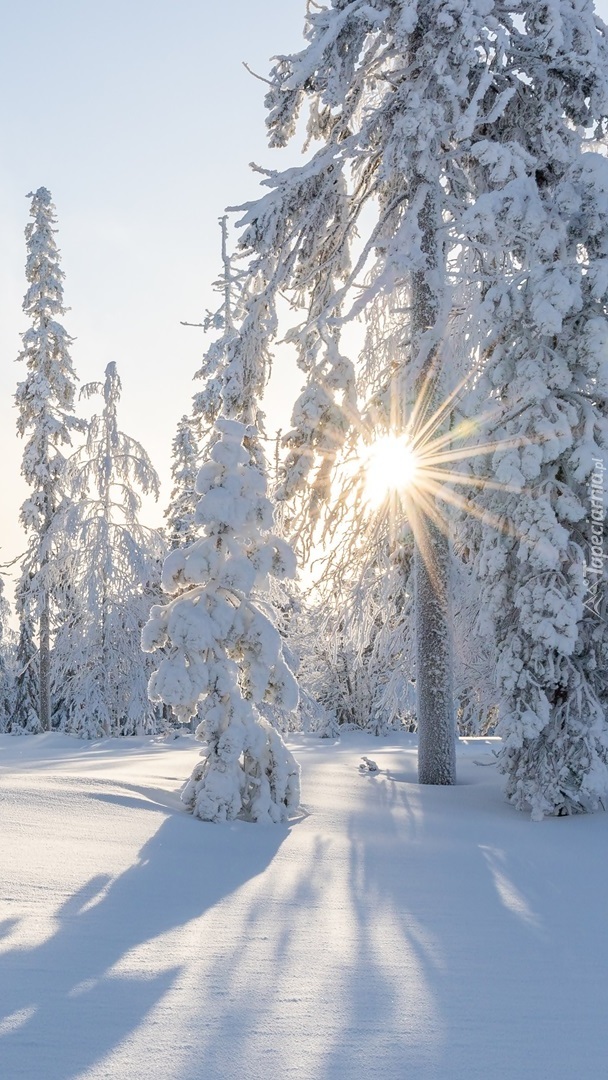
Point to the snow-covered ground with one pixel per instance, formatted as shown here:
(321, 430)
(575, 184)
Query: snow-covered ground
(390, 932)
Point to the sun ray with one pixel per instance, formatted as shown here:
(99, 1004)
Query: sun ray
(422, 500)
(413, 426)
(464, 429)
(448, 495)
(465, 480)
(424, 508)
(463, 452)
(421, 434)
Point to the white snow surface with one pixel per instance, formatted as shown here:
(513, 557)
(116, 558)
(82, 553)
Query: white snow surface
(390, 931)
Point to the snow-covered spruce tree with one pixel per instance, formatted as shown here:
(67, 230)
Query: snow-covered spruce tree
(25, 718)
(113, 571)
(547, 345)
(225, 654)
(461, 127)
(225, 659)
(403, 100)
(45, 403)
(184, 470)
(7, 664)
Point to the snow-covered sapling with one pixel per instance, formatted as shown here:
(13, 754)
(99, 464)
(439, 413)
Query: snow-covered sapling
(224, 653)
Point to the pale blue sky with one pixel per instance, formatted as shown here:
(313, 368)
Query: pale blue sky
(141, 120)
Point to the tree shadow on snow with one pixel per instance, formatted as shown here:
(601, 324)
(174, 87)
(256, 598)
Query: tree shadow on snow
(7, 926)
(479, 905)
(433, 946)
(65, 1004)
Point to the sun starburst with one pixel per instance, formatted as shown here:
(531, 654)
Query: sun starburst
(412, 472)
(405, 476)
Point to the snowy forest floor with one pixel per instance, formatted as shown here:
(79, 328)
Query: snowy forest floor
(392, 931)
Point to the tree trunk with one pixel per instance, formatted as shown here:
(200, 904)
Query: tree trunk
(432, 557)
(435, 709)
(44, 670)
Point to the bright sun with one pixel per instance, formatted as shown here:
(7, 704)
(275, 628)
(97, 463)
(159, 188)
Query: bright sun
(391, 465)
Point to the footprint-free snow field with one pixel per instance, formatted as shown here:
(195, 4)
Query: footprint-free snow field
(390, 932)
